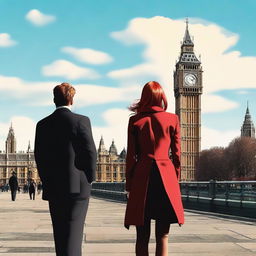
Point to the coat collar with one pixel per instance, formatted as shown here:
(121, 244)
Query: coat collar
(152, 109)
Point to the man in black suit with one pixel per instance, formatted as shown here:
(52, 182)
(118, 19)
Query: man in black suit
(65, 154)
(13, 183)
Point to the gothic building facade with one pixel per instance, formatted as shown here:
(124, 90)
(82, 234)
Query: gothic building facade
(22, 162)
(110, 164)
(247, 129)
(188, 87)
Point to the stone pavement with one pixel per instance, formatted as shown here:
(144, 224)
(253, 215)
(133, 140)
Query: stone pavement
(25, 229)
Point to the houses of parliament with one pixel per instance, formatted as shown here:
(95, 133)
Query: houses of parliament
(110, 164)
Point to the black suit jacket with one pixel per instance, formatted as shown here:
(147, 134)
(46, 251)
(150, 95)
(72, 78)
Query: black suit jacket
(65, 155)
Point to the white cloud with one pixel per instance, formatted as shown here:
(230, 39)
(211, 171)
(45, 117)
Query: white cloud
(214, 103)
(243, 92)
(6, 41)
(224, 69)
(116, 128)
(66, 69)
(213, 137)
(93, 95)
(40, 93)
(24, 129)
(37, 18)
(87, 55)
(133, 73)
(32, 93)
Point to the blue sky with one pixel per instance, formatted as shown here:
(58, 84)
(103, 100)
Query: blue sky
(42, 43)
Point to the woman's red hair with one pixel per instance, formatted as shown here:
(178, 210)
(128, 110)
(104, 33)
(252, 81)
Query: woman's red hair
(152, 95)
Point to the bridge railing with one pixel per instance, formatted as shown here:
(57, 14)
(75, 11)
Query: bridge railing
(228, 190)
(109, 190)
(231, 197)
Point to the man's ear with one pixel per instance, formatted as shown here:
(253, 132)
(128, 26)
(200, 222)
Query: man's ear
(71, 102)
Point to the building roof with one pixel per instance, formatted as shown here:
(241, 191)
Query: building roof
(187, 39)
(113, 149)
(248, 128)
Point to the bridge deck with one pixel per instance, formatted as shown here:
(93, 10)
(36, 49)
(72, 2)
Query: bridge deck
(25, 229)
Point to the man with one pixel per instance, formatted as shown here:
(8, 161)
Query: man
(13, 183)
(65, 154)
(32, 189)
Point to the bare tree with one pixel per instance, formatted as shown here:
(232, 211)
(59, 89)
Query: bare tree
(212, 165)
(235, 162)
(240, 156)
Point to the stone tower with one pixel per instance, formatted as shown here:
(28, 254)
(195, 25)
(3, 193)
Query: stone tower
(187, 92)
(10, 143)
(247, 129)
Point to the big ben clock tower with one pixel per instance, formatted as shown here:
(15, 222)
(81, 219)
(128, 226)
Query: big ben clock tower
(187, 91)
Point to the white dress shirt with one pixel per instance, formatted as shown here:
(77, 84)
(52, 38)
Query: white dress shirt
(68, 107)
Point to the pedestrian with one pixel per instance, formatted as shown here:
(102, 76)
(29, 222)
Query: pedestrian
(32, 189)
(152, 178)
(65, 155)
(13, 183)
(39, 188)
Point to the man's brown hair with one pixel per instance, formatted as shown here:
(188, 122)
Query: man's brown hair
(63, 94)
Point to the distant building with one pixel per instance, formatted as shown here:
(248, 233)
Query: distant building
(247, 129)
(23, 163)
(110, 164)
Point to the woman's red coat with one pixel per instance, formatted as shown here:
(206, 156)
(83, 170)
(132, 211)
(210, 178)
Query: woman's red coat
(152, 134)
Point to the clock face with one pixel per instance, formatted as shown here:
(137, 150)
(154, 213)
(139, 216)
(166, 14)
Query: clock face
(190, 79)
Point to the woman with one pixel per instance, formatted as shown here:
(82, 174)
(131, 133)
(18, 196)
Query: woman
(152, 179)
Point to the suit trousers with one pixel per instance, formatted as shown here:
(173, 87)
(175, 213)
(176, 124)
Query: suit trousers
(68, 223)
(13, 194)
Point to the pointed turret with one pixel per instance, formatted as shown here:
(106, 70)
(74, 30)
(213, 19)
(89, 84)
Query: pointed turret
(112, 149)
(29, 147)
(187, 39)
(102, 148)
(187, 55)
(10, 143)
(247, 129)
(123, 154)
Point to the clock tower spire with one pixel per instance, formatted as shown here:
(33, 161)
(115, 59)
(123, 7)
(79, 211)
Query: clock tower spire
(187, 92)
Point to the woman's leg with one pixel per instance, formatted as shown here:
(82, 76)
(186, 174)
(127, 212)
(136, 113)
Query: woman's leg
(162, 231)
(143, 235)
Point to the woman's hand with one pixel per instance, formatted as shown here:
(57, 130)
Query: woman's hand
(127, 194)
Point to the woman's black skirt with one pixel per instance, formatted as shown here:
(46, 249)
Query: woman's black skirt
(158, 205)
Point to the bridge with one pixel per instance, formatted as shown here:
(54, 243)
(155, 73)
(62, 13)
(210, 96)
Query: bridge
(25, 229)
(230, 197)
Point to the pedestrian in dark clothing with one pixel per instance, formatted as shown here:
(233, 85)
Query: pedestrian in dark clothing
(32, 189)
(39, 188)
(13, 182)
(25, 188)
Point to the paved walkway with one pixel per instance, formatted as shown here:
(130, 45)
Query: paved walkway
(25, 229)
